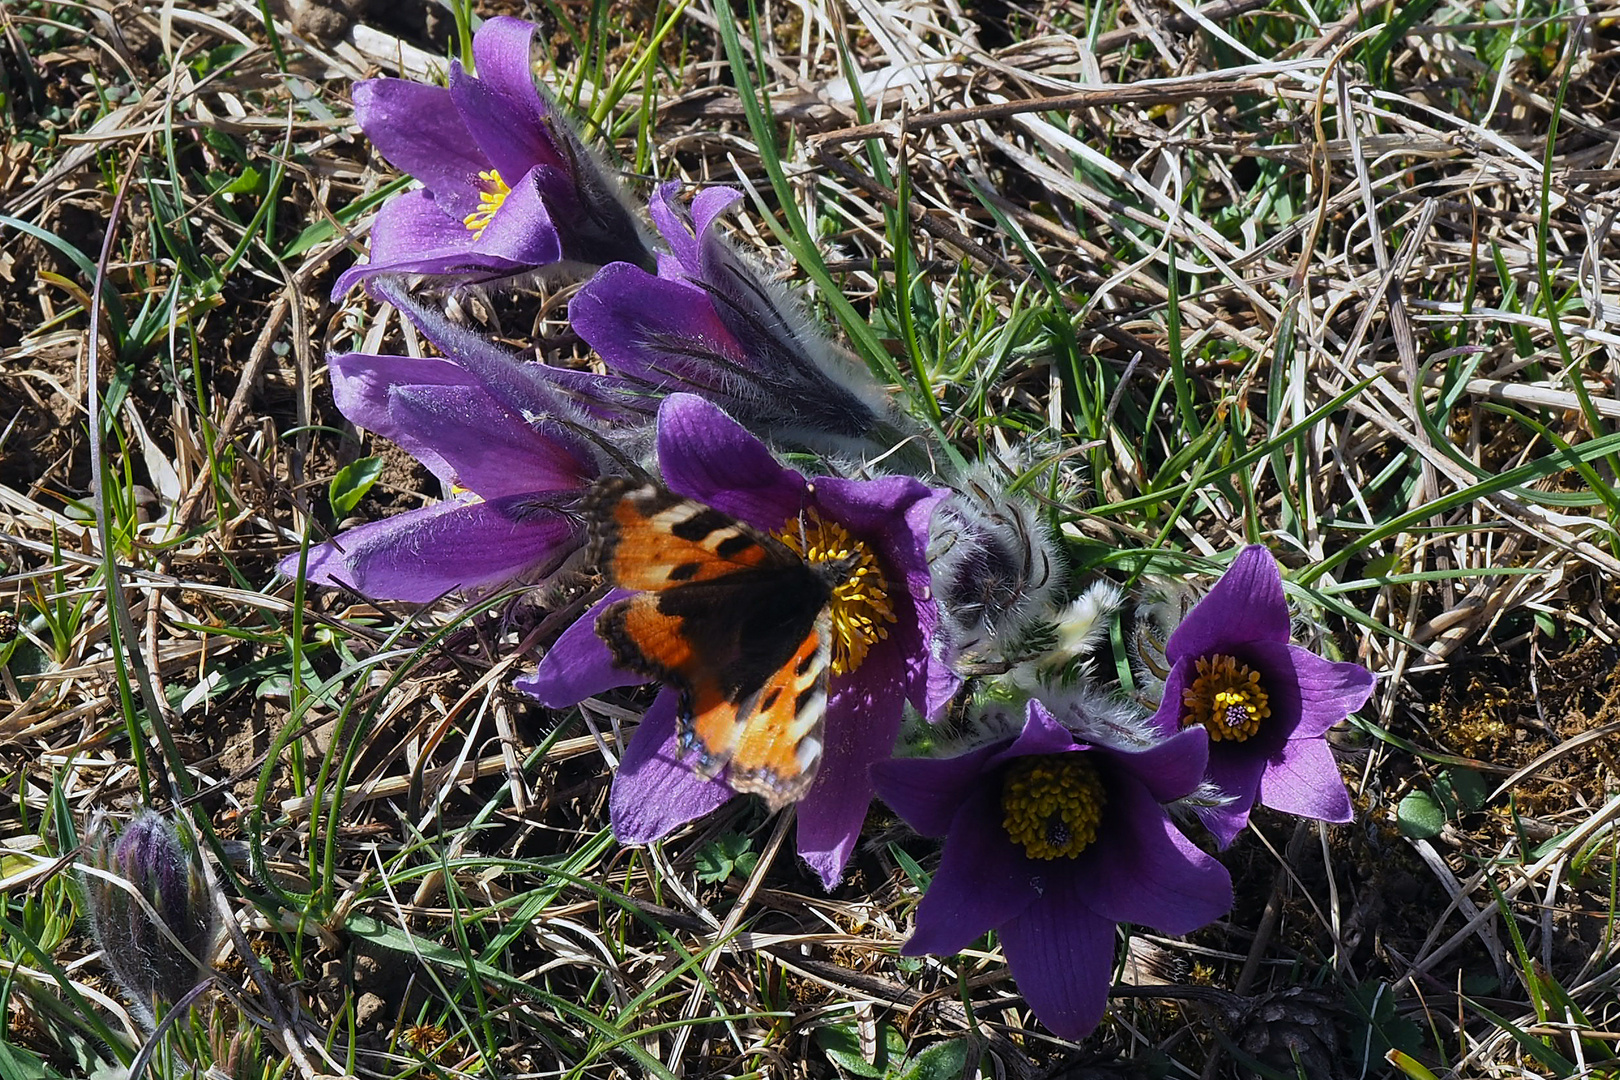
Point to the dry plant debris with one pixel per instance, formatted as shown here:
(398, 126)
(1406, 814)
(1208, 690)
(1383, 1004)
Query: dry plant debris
(1342, 275)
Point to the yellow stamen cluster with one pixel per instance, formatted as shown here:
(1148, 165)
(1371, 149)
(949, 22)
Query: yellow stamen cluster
(1226, 698)
(1052, 804)
(494, 193)
(860, 603)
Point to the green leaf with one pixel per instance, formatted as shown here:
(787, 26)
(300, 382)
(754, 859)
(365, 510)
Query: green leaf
(18, 1064)
(249, 180)
(1386, 1028)
(351, 483)
(318, 233)
(1469, 787)
(1546, 1056)
(731, 853)
(842, 1045)
(919, 877)
(942, 1061)
(1419, 816)
(1382, 566)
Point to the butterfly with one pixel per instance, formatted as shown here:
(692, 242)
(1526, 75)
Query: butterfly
(735, 620)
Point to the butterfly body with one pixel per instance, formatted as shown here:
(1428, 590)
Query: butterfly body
(735, 620)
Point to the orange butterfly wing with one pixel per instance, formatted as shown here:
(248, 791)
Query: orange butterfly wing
(648, 539)
(733, 619)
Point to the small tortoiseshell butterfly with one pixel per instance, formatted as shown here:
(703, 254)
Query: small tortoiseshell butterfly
(731, 618)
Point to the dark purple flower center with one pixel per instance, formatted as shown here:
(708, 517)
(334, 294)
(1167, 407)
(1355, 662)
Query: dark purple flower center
(1052, 804)
(1226, 698)
(860, 605)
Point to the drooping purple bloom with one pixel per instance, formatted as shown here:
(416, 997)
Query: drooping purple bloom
(1266, 703)
(1052, 842)
(517, 478)
(151, 857)
(705, 455)
(507, 186)
(712, 325)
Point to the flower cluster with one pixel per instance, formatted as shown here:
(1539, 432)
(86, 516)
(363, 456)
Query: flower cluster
(657, 470)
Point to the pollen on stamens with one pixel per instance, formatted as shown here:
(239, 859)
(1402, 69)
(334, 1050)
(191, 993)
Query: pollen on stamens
(861, 609)
(492, 194)
(1226, 698)
(1052, 804)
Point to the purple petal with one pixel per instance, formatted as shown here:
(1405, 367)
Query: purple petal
(414, 235)
(927, 792)
(1245, 606)
(677, 226)
(419, 131)
(421, 555)
(1171, 710)
(1062, 958)
(654, 791)
(892, 510)
(892, 514)
(1141, 869)
(661, 334)
(983, 881)
(1042, 734)
(941, 682)
(805, 382)
(522, 231)
(1170, 768)
(708, 456)
(1328, 691)
(674, 225)
(603, 398)
(863, 717)
(579, 664)
(446, 420)
(1236, 771)
(708, 205)
(1303, 779)
(502, 107)
(524, 388)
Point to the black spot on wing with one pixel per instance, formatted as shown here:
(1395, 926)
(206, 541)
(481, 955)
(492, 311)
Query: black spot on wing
(696, 528)
(732, 545)
(685, 572)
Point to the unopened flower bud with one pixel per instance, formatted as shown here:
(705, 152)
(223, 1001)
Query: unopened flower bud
(151, 965)
(993, 563)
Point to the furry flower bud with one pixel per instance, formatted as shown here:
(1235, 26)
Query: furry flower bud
(994, 566)
(147, 961)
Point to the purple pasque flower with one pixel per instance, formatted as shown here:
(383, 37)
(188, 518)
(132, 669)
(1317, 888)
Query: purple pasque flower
(1051, 842)
(712, 325)
(1266, 703)
(878, 666)
(507, 186)
(516, 478)
(150, 856)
